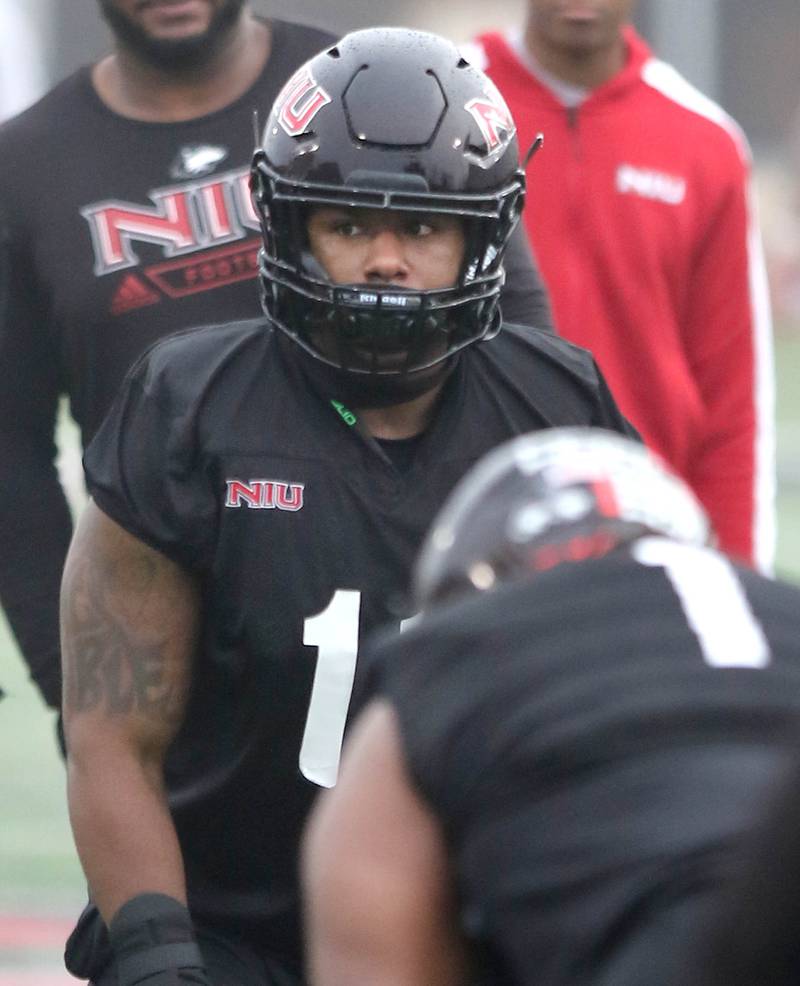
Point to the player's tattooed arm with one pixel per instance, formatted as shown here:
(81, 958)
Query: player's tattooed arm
(128, 631)
(116, 621)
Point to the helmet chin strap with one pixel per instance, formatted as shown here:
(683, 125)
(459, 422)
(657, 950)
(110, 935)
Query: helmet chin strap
(363, 390)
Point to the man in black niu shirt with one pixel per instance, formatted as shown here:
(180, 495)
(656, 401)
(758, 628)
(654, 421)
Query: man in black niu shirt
(563, 760)
(125, 215)
(260, 490)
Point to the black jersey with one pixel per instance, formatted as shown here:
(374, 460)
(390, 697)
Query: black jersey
(302, 534)
(113, 233)
(596, 743)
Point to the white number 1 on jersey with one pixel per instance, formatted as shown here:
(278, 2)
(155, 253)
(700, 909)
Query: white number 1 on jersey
(713, 601)
(334, 632)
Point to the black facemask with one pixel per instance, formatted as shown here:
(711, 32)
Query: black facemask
(167, 55)
(362, 390)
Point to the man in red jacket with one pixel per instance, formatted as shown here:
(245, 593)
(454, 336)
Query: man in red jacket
(640, 212)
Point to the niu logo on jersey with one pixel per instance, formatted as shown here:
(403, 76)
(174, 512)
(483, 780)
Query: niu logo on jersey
(264, 494)
(299, 102)
(494, 121)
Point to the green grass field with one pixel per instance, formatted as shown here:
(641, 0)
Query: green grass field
(39, 874)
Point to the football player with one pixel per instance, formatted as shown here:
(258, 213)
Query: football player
(154, 205)
(560, 762)
(260, 490)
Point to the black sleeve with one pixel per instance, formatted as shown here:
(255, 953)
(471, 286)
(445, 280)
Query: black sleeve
(524, 300)
(143, 468)
(35, 522)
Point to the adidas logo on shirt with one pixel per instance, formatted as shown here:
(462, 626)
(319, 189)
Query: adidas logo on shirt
(132, 294)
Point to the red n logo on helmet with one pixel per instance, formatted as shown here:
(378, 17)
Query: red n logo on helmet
(494, 120)
(299, 102)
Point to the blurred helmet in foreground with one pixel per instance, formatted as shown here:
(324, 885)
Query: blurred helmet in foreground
(562, 494)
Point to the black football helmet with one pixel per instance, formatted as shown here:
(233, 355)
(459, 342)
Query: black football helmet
(388, 118)
(562, 494)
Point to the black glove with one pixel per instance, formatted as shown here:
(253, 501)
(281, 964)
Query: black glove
(154, 945)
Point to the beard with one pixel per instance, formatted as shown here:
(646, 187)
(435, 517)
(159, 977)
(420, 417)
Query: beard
(173, 55)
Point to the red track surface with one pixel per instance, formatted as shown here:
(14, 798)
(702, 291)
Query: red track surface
(17, 931)
(31, 950)
(44, 976)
